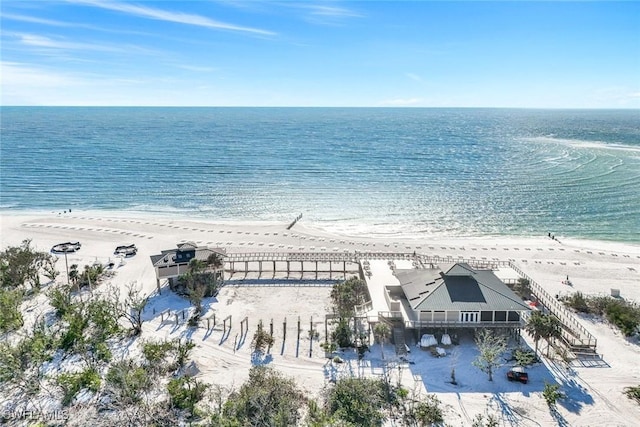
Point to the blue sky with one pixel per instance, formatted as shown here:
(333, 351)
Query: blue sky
(321, 53)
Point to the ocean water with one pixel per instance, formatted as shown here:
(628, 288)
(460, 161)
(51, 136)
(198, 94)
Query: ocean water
(462, 172)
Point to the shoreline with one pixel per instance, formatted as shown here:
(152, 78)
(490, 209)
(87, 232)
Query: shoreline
(318, 227)
(593, 266)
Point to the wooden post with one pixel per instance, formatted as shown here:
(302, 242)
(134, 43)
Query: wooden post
(208, 326)
(284, 329)
(271, 328)
(298, 330)
(176, 314)
(311, 337)
(214, 320)
(316, 270)
(235, 343)
(326, 330)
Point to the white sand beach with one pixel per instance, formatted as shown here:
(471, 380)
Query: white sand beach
(594, 392)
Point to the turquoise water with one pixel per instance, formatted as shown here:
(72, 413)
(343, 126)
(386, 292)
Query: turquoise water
(466, 172)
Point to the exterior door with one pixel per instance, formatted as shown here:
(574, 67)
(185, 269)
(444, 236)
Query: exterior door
(469, 316)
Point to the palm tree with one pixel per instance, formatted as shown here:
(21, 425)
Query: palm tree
(74, 274)
(552, 329)
(382, 332)
(535, 326)
(541, 325)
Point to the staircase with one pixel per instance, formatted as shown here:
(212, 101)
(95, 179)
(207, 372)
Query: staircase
(398, 341)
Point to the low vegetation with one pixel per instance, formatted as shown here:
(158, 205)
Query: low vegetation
(552, 394)
(625, 315)
(633, 393)
(84, 328)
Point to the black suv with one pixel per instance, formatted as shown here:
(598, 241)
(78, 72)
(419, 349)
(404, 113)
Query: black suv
(517, 373)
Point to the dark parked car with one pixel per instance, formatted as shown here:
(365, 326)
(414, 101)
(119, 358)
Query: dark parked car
(517, 373)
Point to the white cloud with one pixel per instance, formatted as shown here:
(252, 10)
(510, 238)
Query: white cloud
(36, 20)
(195, 68)
(414, 77)
(333, 11)
(46, 42)
(169, 16)
(16, 75)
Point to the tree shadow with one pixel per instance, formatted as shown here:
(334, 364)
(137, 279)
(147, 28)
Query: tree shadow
(576, 395)
(508, 413)
(557, 416)
(259, 358)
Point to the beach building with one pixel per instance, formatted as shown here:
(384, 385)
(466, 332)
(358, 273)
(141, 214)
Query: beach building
(171, 263)
(439, 298)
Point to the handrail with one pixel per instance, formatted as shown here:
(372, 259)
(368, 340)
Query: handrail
(456, 323)
(566, 318)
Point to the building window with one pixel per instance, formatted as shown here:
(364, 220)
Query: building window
(469, 316)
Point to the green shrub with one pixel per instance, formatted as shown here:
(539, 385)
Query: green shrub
(428, 412)
(625, 316)
(342, 334)
(156, 354)
(358, 401)
(39, 346)
(10, 363)
(72, 383)
(261, 341)
(266, 399)
(524, 357)
(11, 318)
(60, 299)
(551, 393)
(127, 380)
(185, 392)
(578, 302)
(633, 393)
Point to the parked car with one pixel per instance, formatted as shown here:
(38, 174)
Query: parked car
(517, 373)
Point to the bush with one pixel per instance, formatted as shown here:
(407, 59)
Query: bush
(72, 383)
(346, 295)
(524, 357)
(578, 302)
(358, 401)
(342, 334)
(11, 318)
(266, 399)
(156, 354)
(261, 341)
(427, 412)
(551, 394)
(633, 393)
(60, 299)
(127, 380)
(523, 288)
(185, 392)
(625, 316)
(10, 363)
(21, 265)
